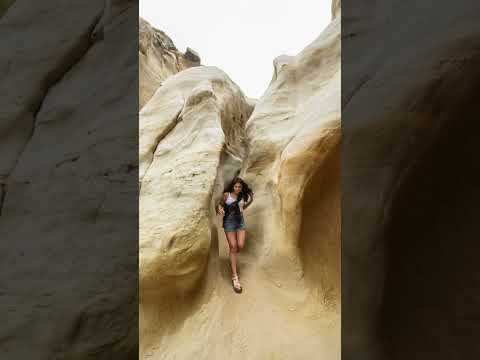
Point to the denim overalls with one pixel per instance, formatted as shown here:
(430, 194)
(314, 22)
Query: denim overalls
(233, 218)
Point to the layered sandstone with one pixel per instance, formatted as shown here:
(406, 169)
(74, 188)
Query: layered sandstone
(196, 117)
(158, 59)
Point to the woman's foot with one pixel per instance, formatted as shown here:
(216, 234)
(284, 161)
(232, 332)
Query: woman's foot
(236, 284)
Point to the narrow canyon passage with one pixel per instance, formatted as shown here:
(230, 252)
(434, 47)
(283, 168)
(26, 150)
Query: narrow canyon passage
(268, 320)
(289, 307)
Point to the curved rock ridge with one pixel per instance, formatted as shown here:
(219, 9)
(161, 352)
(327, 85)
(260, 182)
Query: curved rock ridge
(159, 59)
(194, 118)
(293, 134)
(197, 132)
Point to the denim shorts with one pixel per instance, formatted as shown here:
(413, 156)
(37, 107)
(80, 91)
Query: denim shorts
(233, 222)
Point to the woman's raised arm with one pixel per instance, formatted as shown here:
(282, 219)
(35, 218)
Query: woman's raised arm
(249, 201)
(221, 204)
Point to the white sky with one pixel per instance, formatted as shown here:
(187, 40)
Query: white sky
(240, 37)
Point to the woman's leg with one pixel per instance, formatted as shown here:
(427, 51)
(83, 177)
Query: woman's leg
(240, 239)
(232, 244)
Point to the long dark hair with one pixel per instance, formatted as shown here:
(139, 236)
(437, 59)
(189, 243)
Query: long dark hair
(246, 190)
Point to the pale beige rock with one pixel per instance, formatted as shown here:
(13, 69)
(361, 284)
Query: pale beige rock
(293, 133)
(288, 151)
(336, 8)
(293, 164)
(279, 63)
(159, 59)
(184, 129)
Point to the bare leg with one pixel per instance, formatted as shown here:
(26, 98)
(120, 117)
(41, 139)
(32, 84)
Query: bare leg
(232, 244)
(240, 239)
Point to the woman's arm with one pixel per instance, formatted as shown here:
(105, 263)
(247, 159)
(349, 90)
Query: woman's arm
(250, 200)
(221, 204)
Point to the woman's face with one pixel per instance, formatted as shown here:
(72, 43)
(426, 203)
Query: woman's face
(237, 188)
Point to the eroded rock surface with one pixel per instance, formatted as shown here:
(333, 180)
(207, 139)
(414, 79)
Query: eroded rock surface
(195, 117)
(159, 59)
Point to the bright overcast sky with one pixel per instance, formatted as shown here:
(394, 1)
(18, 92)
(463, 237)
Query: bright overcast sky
(240, 37)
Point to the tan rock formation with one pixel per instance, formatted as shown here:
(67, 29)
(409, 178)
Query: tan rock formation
(336, 8)
(159, 59)
(192, 119)
(288, 151)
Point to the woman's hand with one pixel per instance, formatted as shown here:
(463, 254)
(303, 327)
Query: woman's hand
(220, 210)
(250, 200)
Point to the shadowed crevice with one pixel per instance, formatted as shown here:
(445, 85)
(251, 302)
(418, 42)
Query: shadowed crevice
(428, 309)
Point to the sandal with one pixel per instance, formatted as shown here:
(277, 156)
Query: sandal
(236, 284)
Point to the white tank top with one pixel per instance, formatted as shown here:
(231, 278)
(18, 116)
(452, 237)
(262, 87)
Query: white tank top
(230, 200)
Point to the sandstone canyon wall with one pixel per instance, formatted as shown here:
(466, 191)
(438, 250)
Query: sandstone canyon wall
(158, 59)
(197, 131)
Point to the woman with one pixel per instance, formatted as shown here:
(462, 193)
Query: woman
(237, 196)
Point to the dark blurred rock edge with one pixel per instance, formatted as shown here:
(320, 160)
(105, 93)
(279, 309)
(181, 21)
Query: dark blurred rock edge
(69, 180)
(410, 175)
